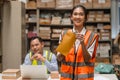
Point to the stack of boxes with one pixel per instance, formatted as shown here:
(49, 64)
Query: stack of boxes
(56, 20)
(47, 45)
(46, 3)
(66, 21)
(91, 28)
(101, 4)
(54, 75)
(91, 16)
(31, 17)
(31, 5)
(86, 3)
(116, 59)
(56, 33)
(11, 74)
(64, 4)
(45, 21)
(105, 35)
(98, 16)
(104, 31)
(106, 17)
(104, 49)
(68, 4)
(45, 32)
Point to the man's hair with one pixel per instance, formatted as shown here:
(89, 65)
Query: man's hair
(36, 37)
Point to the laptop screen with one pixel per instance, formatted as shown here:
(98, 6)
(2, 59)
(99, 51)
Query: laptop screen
(30, 71)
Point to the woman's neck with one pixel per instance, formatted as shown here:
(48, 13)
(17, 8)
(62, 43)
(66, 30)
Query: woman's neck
(78, 29)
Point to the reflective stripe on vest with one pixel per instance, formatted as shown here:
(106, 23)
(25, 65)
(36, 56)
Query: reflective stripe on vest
(34, 62)
(77, 76)
(48, 56)
(90, 40)
(79, 64)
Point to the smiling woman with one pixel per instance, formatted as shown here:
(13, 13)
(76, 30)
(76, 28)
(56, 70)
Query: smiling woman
(79, 16)
(78, 64)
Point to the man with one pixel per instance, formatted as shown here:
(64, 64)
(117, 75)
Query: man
(38, 56)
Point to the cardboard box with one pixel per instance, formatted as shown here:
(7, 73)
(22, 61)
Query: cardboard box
(57, 31)
(41, 4)
(31, 5)
(116, 58)
(104, 60)
(66, 21)
(51, 4)
(45, 37)
(87, 3)
(44, 32)
(98, 19)
(54, 75)
(117, 61)
(45, 21)
(55, 36)
(11, 74)
(107, 4)
(104, 49)
(101, 3)
(46, 3)
(92, 14)
(91, 28)
(105, 35)
(99, 14)
(90, 19)
(106, 17)
(64, 4)
(97, 4)
(56, 20)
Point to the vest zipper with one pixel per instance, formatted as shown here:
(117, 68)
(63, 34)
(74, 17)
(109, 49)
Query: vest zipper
(75, 53)
(74, 66)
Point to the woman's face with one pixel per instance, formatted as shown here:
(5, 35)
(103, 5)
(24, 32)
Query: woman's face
(78, 17)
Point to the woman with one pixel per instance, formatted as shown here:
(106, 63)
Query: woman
(79, 62)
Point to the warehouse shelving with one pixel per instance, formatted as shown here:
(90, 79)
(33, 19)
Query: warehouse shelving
(53, 10)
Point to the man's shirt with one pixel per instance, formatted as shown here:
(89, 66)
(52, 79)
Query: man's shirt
(51, 65)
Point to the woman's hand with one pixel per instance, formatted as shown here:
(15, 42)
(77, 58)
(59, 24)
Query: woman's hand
(60, 57)
(80, 37)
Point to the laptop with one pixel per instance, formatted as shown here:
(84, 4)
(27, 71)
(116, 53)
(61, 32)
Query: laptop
(34, 72)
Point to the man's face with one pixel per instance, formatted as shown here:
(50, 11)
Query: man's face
(36, 46)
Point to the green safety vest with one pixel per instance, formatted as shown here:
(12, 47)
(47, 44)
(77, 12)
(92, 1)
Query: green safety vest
(48, 56)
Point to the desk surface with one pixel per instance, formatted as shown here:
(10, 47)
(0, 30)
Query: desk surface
(100, 77)
(97, 77)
